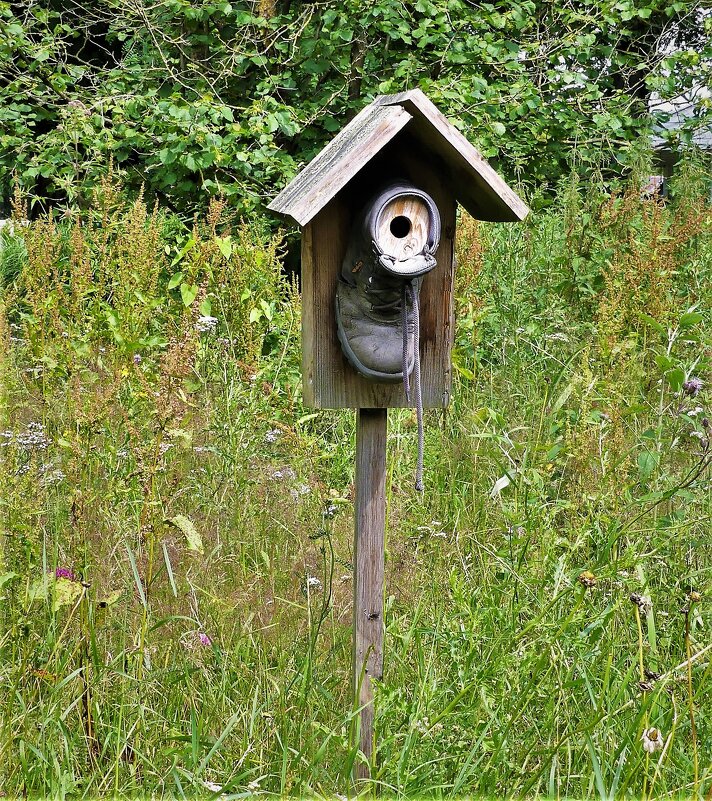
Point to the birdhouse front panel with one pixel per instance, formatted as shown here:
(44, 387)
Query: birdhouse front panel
(377, 208)
(330, 379)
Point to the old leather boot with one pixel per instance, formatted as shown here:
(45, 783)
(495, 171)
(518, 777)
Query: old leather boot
(391, 247)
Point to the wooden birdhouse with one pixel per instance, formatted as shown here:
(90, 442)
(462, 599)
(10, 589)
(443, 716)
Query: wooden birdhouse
(396, 138)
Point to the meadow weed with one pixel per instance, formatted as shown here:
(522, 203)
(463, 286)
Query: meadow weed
(176, 528)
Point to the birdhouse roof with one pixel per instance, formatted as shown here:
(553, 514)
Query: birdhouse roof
(472, 181)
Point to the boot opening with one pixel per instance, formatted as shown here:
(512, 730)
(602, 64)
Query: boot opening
(400, 226)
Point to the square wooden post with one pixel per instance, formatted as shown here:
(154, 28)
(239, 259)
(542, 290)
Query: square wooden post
(369, 544)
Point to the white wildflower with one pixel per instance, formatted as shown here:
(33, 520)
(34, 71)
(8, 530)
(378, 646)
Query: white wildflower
(206, 323)
(33, 437)
(643, 602)
(313, 583)
(652, 740)
(273, 435)
(53, 477)
(285, 472)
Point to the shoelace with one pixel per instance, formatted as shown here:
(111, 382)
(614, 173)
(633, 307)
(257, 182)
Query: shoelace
(410, 294)
(386, 301)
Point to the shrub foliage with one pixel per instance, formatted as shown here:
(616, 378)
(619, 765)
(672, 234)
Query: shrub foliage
(203, 97)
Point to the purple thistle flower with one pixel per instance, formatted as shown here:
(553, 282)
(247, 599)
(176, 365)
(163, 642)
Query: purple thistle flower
(204, 639)
(693, 386)
(64, 573)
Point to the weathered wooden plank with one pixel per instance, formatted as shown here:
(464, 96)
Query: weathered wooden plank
(369, 546)
(329, 381)
(339, 161)
(477, 186)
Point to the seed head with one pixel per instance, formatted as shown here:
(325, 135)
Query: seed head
(587, 579)
(643, 602)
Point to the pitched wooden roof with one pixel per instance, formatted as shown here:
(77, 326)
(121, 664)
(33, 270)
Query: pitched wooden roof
(473, 182)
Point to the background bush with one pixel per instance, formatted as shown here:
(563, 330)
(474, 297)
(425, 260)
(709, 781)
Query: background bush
(193, 98)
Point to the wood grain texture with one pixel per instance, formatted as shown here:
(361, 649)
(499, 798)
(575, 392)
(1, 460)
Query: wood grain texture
(369, 543)
(339, 161)
(408, 235)
(329, 381)
(476, 185)
(471, 179)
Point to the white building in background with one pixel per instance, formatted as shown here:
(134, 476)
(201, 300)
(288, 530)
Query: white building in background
(688, 124)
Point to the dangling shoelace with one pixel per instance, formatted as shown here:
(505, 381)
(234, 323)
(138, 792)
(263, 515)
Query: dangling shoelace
(411, 294)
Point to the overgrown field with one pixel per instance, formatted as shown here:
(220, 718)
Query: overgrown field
(176, 529)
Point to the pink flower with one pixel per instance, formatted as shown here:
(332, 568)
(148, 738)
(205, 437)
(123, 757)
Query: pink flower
(693, 386)
(64, 573)
(204, 639)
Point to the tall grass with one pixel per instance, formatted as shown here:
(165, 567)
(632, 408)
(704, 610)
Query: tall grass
(175, 530)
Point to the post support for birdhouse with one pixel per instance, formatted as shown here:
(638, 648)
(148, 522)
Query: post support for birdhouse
(369, 559)
(397, 139)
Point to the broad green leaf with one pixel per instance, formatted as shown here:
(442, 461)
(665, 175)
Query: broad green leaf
(66, 593)
(6, 578)
(189, 245)
(690, 319)
(663, 361)
(647, 462)
(192, 535)
(676, 379)
(652, 322)
(175, 280)
(188, 293)
(267, 309)
(224, 245)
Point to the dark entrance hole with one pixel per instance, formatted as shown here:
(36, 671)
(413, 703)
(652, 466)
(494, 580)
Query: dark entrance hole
(400, 226)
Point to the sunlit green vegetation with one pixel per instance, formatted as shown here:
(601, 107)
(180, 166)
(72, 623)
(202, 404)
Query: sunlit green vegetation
(176, 528)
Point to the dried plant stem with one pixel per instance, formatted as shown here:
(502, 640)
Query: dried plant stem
(641, 666)
(690, 697)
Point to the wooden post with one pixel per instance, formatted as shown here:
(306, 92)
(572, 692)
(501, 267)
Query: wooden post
(368, 570)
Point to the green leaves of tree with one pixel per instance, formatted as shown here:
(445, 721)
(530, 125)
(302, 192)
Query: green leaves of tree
(206, 97)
